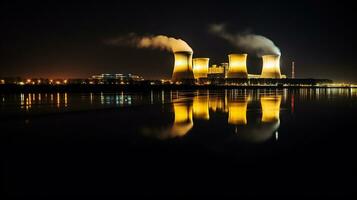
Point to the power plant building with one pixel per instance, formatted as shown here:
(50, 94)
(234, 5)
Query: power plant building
(186, 68)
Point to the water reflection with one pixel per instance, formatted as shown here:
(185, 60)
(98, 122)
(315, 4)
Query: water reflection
(249, 115)
(260, 127)
(260, 131)
(238, 111)
(270, 108)
(183, 120)
(200, 107)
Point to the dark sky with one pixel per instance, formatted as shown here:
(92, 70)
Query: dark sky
(65, 38)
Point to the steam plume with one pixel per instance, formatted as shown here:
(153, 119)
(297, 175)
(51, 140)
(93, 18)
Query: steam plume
(251, 43)
(155, 42)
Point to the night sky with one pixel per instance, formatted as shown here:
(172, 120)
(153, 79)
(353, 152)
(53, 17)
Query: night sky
(64, 39)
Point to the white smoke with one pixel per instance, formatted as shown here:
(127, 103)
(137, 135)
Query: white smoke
(251, 43)
(155, 42)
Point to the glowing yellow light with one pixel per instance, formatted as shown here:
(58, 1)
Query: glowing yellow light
(270, 108)
(183, 113)
(237, 113)
(237, 66)
(58, 100)
(65, 99)
(271, 66)
(28, 81)
(215, 70)
(65, 81)
(200, 67)
(200, 107)
(183, 66)
(58, 82)
(216, 103)
(183, 120)
(39, 81)
(21, 83)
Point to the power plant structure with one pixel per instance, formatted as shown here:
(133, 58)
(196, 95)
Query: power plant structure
(237, 66)
(183, 66)
(200, 67)
(271, 66)
(187, 68)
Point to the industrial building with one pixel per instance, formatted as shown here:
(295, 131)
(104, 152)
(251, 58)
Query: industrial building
(115, 78)
(186, 68)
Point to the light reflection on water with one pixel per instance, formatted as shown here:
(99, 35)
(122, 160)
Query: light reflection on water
(234, 104)
(255, 115)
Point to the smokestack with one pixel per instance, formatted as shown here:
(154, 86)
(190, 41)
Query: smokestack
(271, 66)
(237, 66)
(293, 69)
(183, 66)
(200, 67)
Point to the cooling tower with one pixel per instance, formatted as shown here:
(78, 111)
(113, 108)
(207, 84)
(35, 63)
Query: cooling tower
(237, 66)
(271, 67)
(200, 67)
(183, 66)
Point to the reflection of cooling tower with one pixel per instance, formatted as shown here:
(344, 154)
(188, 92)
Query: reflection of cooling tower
(271, 66)
(237, 113)
(200, 67)
(183, 66)
(200, 107)
(270, 108)
(183, 119)
(237, 66)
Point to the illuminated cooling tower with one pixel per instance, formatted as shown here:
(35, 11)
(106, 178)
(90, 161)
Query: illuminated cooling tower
(200, 67)
(237, 113)
(270, 108)
(271, 67)
(237, 66)
(183, 66)
(200, 107)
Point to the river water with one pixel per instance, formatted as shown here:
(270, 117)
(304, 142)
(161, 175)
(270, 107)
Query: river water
(233, 142)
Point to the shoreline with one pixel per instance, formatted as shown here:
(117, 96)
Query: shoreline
(139, 88)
